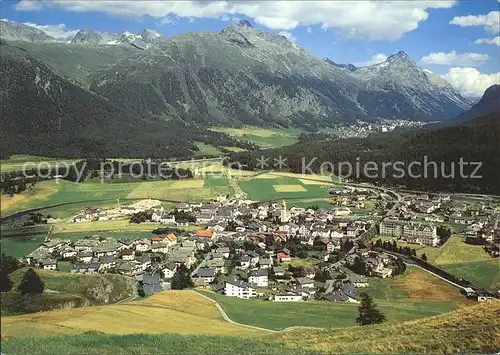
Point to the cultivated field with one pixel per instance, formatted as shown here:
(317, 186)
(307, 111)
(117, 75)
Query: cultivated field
(18, 162)
(53, 192)
(289, 188)
(179, 190)
(179, 312)
(273, 186)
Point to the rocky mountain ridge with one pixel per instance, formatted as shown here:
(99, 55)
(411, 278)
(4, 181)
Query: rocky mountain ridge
(243, 75)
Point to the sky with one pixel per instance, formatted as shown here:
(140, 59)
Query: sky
(457, 40)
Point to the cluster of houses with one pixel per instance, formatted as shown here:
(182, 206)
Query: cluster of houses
(91, 214)
(380, 264)
(267, 226)
(416, 216)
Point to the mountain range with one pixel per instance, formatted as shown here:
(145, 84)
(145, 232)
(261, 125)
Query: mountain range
(239, 76)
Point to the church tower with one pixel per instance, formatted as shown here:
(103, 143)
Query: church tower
(285, 217)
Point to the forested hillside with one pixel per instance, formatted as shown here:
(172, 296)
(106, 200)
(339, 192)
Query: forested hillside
(44, 114)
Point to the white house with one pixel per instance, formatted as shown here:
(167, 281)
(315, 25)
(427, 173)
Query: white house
(337, 234)
(239, 289)
(207, 274)
(49, 264)
(169, 270)
(288, 297)
(160, 247)
(167, 218)
(128, 255)
(224, 251)
(85, 257)
(68, 252)
(305, 282)
(143, 246)
(259, 278)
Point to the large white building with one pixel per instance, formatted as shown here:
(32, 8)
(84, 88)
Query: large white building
(413, 232)
(259, 278)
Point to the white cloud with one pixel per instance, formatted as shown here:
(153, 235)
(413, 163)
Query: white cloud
(362, 19)
(59, 31)
(288, 36)
(490, 22)
(495, 40)
(452, 58)
(377, 58)
(470, 82)
(309, 30)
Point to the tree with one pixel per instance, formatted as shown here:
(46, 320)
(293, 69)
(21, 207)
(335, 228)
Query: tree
(182, 279)
(8, 264)
(31, 283)
(423, 257)
(368, 311)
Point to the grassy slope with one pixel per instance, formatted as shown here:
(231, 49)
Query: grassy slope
(483, 273)
(61, 287)
(469, 329)
(180, 312)
(461, 259)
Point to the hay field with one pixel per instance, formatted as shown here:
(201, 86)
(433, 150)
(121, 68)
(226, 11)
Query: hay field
(181, 190)
(179, 312)
(289, 188)
(414, 285)
(269, 186)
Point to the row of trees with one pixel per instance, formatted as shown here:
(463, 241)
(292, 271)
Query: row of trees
(393, 246)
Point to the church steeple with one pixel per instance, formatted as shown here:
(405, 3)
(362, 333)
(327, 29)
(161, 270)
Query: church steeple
(285, 217)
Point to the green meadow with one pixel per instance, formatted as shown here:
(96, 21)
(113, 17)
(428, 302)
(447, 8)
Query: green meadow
(263, 137)
(281, 187)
